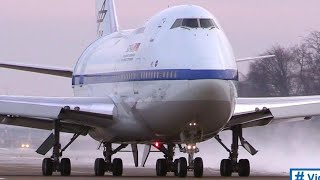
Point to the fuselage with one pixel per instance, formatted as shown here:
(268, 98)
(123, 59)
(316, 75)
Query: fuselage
(170, 80)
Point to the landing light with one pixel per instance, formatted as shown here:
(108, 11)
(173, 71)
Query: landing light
(25, 145)
(157, 144)
(189, 146)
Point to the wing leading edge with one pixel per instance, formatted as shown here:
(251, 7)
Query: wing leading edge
(75, 114)
(251, 112)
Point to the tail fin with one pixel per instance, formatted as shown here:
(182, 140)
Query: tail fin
(107, 21)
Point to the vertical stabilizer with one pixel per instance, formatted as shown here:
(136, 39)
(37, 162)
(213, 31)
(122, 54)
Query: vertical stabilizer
(107, 21)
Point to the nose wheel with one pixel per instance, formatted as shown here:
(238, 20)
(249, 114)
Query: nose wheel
(181, 166)
(198, 167)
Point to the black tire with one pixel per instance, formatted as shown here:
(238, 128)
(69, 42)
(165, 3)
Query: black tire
(117, 167)
(244, 168)
(161, 167)
(175, 167)
(65, 167)
(47, 167)
(226, 167)
(182, 167)
(198, 167)
(99, 167)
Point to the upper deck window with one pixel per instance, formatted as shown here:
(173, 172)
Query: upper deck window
(194, 23)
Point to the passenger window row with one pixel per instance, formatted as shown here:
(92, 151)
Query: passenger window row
(148, 75)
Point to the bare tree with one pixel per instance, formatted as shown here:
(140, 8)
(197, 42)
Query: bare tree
(294, 71)
(307, 56)
(271, 77)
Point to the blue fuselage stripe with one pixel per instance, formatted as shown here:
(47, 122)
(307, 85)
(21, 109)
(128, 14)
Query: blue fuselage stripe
(154, 75)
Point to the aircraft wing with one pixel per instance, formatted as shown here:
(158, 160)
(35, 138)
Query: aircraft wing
(254, 58)
(39, 112)
(64, 72)
(251, 112)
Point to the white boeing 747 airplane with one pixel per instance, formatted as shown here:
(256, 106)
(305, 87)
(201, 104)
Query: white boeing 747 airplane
(166, 84)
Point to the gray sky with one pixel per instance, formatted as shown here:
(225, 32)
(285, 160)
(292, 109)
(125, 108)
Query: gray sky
(55, 32)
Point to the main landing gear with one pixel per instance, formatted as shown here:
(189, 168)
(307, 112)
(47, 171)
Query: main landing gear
(53, 164)
(228, 166)
(106, 165)
(181, 166)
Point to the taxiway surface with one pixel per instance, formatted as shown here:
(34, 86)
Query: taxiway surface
(25, 164)
(27, 171)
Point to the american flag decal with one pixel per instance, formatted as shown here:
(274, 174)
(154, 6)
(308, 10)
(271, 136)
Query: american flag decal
(133, 47)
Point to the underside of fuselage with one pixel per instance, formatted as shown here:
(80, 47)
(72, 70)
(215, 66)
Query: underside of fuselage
(167, 111)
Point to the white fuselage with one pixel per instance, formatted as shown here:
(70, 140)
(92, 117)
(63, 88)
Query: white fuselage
(167, 84)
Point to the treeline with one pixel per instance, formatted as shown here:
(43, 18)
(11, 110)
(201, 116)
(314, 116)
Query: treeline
(294, 71)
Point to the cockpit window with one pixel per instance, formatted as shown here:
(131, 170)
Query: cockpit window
(177, 23)
(207, 23)
(194, 23)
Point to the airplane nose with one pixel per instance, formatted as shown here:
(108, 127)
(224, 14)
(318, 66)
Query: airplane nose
(218, 90)
(209, 103)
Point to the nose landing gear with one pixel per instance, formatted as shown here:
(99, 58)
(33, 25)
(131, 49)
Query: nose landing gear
(194, 164)
(181, 166)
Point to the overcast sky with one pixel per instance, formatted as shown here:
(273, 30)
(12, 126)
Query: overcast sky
(55, 32)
